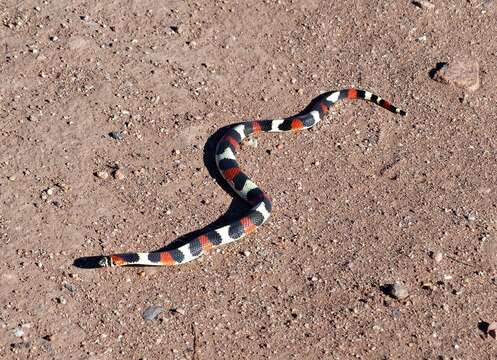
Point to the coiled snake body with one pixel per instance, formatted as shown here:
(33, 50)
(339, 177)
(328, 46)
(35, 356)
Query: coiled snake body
(241, 184)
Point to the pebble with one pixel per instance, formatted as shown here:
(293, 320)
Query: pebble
(62, 300)
(178, 311)
(177, 29)
(246, 253)
(116, 135)
(119, 174)
(18, 332)
(424, 4)
(70, 287)
(437, 256)
(54, 38)
(280, 146)
(492, 330)
(12, 178)
(470, 217)
(421, 39)
(102, 174)
(463, 73)
(397, 290)
(152, 312)
(252, 142)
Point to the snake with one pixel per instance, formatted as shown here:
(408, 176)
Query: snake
(259, 202)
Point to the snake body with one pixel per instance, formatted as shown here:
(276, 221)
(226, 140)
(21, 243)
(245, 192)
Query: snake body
(241, 184)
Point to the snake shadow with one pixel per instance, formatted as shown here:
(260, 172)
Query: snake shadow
(236, 209)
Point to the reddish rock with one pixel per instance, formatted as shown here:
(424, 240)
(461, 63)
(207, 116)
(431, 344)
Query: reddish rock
(463, 73)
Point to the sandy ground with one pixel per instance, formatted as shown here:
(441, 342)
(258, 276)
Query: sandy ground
(365, 199)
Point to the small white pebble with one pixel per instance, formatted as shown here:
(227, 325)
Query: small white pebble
(102, 174)
(437, 256)
(397, 291)
(62, 300)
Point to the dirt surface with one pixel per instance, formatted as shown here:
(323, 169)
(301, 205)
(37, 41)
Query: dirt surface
(365, 199)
